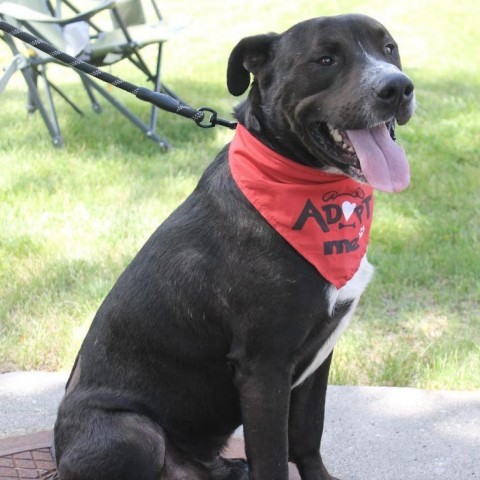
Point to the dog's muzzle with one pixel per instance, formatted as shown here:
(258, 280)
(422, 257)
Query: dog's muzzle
(361, 142)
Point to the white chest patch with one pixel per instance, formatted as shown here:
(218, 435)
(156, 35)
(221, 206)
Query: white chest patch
(352, 290)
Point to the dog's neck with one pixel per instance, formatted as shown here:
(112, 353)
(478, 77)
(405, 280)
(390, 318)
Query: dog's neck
(325, 217)
(275, 134)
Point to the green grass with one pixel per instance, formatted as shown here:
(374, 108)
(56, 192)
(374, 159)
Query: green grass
(72, 219)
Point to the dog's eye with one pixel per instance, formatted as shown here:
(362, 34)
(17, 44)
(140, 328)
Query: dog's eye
(326, 61)
(389, 48)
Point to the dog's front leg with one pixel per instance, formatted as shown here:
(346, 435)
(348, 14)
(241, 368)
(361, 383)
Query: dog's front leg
(264, 400)
(307, 410)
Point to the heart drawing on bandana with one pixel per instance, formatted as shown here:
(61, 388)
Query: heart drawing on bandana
(348, 208)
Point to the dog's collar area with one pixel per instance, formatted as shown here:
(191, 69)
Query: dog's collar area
(325, 217)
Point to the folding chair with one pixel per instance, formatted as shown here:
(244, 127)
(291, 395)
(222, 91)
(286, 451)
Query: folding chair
(32, 64)
(129, 35)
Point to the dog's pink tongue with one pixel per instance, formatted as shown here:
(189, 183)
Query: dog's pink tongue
(383, 162)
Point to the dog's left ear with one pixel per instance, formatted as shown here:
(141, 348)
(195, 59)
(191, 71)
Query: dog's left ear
(248, 57)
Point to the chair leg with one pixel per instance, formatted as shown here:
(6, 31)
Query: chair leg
(96, 107)
(51, 122)
(51, 106)
(31, 105)
(156, 88)
(127, 113)
(160, 87)
(64, 96)
(34, 102)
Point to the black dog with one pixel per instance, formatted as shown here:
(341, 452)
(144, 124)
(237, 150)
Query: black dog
(229, 314)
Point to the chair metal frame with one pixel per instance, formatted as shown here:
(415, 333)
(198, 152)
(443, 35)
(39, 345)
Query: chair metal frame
(33, 66)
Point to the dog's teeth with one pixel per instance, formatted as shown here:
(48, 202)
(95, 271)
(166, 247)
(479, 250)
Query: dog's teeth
(348, 148)
(336, 135)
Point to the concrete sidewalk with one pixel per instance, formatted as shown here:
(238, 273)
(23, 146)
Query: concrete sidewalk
(371, 433)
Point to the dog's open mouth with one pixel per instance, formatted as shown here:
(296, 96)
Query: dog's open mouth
(342, 142)
(370, 155)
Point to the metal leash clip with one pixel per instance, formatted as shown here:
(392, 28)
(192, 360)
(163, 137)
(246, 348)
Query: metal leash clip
(213, 120)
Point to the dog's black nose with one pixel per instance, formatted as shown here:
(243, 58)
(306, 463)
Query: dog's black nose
(395, 89)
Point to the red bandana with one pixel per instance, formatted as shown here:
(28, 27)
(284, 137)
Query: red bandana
(325, 217)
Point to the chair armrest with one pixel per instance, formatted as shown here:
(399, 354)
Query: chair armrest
(22, 13)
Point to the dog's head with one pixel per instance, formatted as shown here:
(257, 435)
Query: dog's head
(327, 93)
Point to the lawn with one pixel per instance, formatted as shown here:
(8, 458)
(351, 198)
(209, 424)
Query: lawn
(71, 219)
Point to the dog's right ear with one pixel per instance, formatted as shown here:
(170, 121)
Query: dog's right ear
(248, 57)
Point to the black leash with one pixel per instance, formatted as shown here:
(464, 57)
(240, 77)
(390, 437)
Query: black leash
(160, 100)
